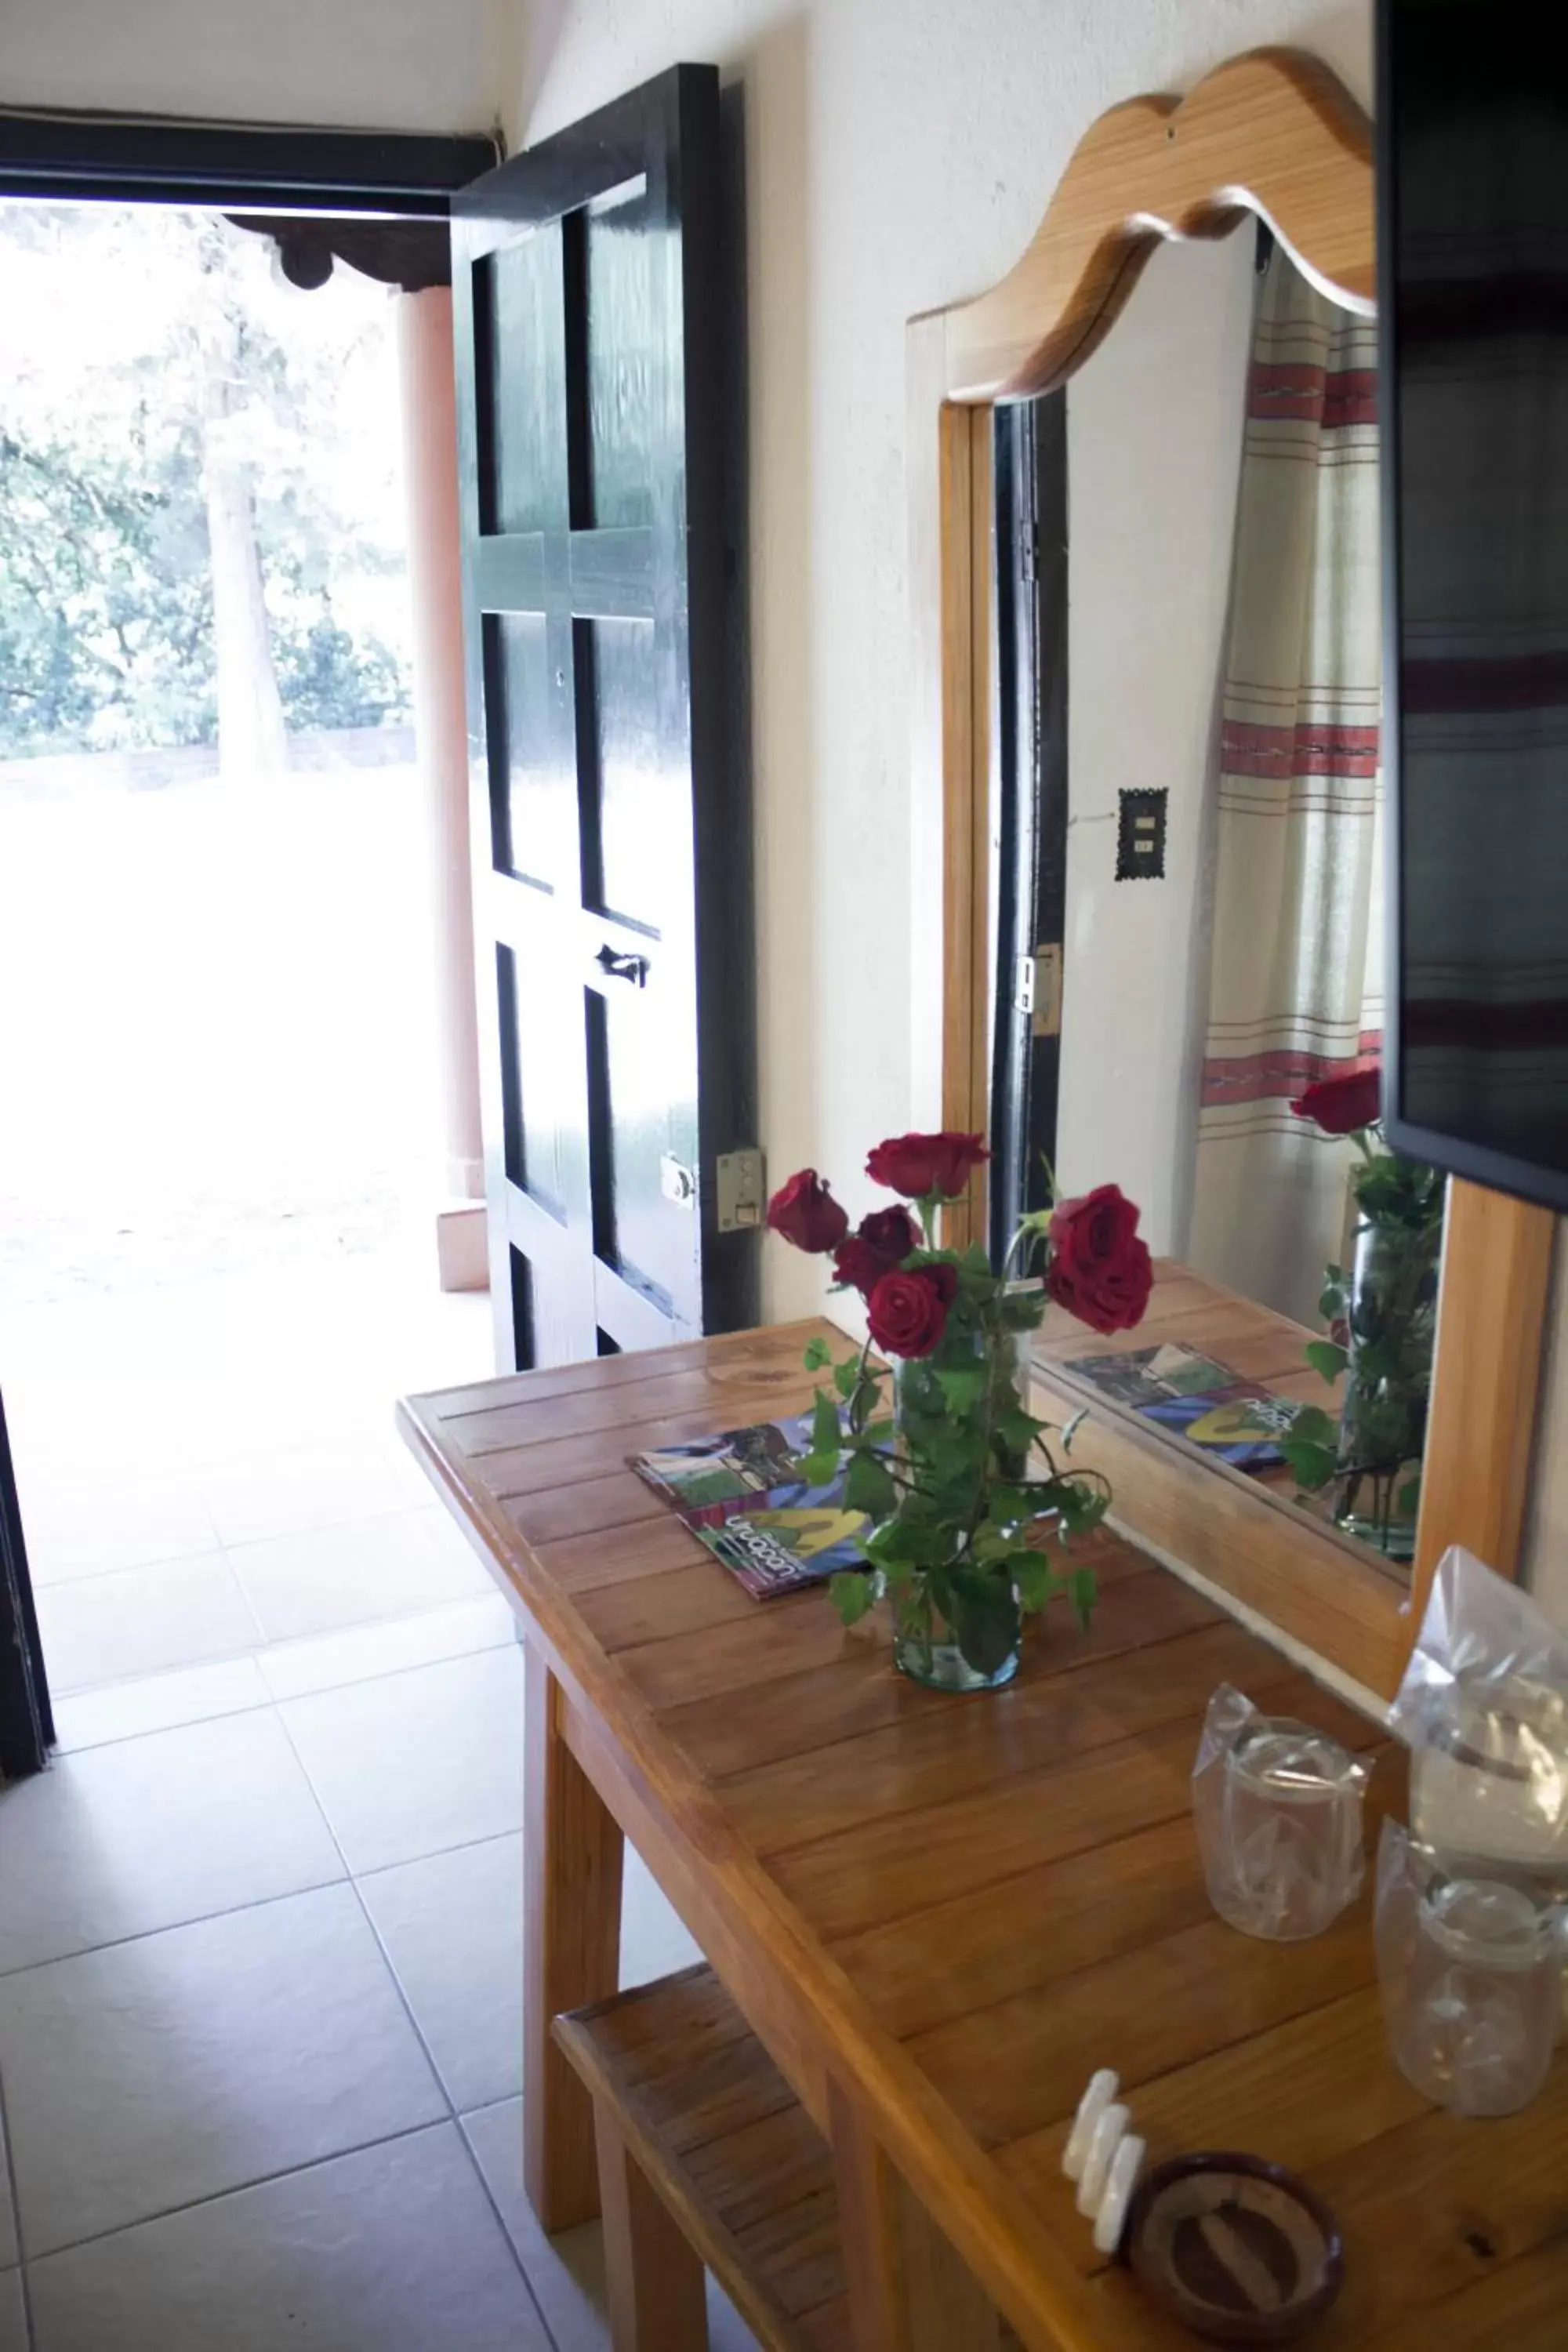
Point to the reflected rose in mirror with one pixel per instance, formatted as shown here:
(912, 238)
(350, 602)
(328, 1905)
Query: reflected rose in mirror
(1344, 1106)
(1099, 1266)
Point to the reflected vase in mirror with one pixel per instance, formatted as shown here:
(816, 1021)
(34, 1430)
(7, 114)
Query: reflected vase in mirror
(1383, 1326)
(962, 1511)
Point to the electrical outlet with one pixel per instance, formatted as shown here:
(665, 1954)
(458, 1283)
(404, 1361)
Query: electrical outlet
(1141, 836)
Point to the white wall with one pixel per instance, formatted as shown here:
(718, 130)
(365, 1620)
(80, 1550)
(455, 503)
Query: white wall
(402, 65)
(899, 156)
(1155, 432)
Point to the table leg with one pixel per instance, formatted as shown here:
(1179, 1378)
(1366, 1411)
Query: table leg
(909, 2291)
(571, 1950)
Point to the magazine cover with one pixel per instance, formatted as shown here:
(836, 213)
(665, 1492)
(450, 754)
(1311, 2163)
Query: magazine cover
(741, 1494)
(1205, 1400)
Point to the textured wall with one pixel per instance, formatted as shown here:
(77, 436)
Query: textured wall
(899, 153)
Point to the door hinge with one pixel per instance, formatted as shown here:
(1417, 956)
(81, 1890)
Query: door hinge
(1046, 1000)
(741, 1189)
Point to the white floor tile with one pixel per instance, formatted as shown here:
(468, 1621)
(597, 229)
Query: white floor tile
(653, 1941)
(392, 2250)
(159, 1703)
(292, 1669)
(566, 2272)
(419, 1761)
(89, 1527)
(9, 2251)
(288, 1492)
(13, 2317)
(452, 1926)
(143, 1836)
(144, 1621)
(142, 2078)
(383, 1566)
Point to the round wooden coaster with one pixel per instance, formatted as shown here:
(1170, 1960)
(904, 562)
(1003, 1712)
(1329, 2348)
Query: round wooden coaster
(1241, 2251)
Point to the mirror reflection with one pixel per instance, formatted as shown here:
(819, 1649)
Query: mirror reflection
(1190, 888)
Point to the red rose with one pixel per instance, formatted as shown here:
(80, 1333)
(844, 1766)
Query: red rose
(1099, 1268)
(919, 1165)
(880, 1243)
(1343, 1105)
(805, 1212)
(908, 1312)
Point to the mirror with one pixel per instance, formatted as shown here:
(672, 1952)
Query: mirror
(1189, 894)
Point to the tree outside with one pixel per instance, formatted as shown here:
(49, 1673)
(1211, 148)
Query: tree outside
(197, 498)
(216, 1033)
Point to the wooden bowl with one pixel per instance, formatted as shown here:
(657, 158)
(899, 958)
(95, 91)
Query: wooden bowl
(1238, 2250)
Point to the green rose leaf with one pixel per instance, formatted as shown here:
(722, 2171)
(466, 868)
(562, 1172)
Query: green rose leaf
(1328, 1359)
(853, 1594)
(1313, 1423)
(818, 1353)
(846, 1376)
(825, 1435)
(818, 1469)
(1019, 1429)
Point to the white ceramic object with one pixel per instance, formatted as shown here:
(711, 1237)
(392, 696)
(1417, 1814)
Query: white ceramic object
(1120, 2183)
(1108, 2132)
(1102, 2089)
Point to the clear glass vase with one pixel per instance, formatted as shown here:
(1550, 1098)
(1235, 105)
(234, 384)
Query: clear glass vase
(1388, 1383)
(968, 1387)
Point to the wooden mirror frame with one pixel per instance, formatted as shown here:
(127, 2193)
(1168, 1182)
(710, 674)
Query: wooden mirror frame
(1273, 133)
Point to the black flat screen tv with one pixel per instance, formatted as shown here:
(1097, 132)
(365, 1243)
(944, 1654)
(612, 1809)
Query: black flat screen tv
(1472, 190)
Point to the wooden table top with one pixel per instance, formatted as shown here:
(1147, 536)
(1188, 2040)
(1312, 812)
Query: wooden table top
(961, 1906)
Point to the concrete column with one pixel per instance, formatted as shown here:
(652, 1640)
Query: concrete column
(440, 721)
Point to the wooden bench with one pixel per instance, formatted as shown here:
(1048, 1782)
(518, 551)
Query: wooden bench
(706, 2158)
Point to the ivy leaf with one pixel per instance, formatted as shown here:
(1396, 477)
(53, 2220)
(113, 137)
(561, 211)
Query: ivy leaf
(1327, 1358)
(869, 1486)
(818, 1469)
(1034, 1580)
(1017, 1430)
(984, 1613)
(826, 1434)
(846, 1376)
(963, 1389)
(1021, 1310)
(878, 1433)
(853, 1594)
(1313, 1424)
(1082, 1591)
(1313, 1464)
(818, 1353)
(1081, 1506)
(1408, 1502)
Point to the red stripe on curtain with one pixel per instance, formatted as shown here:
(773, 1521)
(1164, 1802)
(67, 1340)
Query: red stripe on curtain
(1332, 398)
(1310, 747)
(1283, 1074)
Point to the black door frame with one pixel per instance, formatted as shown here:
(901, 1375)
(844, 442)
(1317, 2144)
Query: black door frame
(236, 166)
(61, 158)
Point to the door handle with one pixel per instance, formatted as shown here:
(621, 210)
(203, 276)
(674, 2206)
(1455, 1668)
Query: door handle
(615, 965)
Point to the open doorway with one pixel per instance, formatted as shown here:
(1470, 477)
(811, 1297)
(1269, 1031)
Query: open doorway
(218, 1069)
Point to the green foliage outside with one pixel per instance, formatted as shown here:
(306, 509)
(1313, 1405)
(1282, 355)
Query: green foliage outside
(115, 328)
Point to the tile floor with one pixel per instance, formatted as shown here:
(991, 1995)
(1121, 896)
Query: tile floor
(261, 1923)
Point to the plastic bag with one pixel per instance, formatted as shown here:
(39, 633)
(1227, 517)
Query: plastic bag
(1483, 1708)
(1277, 1808)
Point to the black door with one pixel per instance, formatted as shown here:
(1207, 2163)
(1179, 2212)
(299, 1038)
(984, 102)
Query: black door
(26, 1725)
(595, 340)
(1032, 698)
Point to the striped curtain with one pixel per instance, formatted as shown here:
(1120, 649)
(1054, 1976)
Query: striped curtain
(1295, 975)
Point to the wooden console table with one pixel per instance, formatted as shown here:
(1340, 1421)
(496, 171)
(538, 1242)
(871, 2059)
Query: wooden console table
(939, 1913)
